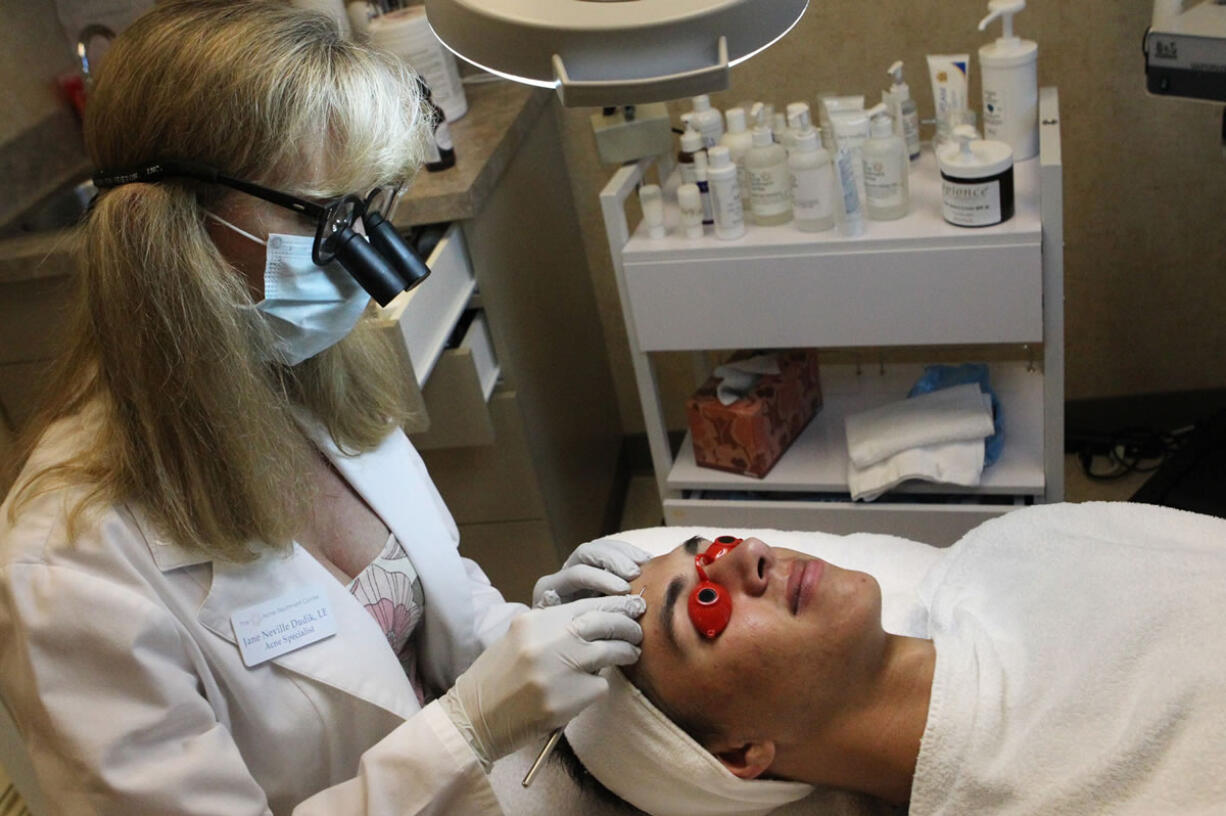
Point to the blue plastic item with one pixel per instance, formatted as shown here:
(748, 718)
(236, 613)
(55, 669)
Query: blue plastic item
(937, 377)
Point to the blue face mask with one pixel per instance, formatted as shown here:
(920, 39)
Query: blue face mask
(308, 307)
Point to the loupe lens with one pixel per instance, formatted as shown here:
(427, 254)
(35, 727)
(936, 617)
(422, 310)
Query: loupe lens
(335, 222)
(383, 236)
(359, 259)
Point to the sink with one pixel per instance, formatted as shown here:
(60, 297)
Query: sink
(59, 210)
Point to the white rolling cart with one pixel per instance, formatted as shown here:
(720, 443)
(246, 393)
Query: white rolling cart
(913, 282)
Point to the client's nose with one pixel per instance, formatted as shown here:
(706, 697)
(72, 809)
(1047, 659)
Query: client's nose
(745, 568)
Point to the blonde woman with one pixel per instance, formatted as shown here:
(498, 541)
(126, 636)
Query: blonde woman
(227, 583)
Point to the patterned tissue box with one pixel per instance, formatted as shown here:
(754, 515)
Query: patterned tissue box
(750, 435)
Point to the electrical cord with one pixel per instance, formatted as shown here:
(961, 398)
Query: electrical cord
(1130, 450)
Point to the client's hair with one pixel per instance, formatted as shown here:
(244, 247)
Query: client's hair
(589, 786)
(700, 727)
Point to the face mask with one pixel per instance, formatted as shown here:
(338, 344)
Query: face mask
(308, 307)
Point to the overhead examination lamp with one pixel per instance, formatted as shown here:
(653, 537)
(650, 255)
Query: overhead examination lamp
(603, 53)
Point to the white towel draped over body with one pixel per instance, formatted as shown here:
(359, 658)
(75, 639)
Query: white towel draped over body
(1081, 666)
(938, 437)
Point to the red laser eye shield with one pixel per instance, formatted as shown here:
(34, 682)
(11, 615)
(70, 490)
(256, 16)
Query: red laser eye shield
(710, 604)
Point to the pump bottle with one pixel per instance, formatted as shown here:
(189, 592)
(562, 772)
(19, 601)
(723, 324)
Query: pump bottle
(1010, 84)
(790, 132)
(769, 183)
(707, 120)
(813, 187)
(739, 141)
(886, 167)
(725, 195)
(902, 107)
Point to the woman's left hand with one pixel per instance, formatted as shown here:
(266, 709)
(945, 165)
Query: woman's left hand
(602, 567)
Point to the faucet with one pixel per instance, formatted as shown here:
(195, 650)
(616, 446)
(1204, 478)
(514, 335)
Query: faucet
(84, 39)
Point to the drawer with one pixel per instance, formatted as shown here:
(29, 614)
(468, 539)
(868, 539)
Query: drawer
(936, 524)
(514, 554)
(456, 398)
(919, 296)
(420, 321)
(495, 482)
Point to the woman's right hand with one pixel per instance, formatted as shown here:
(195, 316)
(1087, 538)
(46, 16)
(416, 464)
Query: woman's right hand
(543, 672)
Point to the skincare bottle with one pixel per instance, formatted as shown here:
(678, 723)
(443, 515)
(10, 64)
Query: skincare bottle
(725, 195)
(690, 202)
(904, 110)
(704, 186)
(652, 201)
(1010, 84)
(440, 151)
(790, 134)
(769, 184)
(779, 130)
(813, 187)
(887, 192)
(739, 141)
(707, 120)
(851, 131)
(691, 143)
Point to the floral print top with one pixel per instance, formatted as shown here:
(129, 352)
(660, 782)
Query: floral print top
(391, 592)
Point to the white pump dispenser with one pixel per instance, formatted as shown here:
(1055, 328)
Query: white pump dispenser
(904, 110)
(1010, 84)
(885, 171)
(739, 141)
(707, 120)
(770, 198)
(813, 187)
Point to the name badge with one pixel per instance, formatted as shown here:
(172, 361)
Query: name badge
(291, 621)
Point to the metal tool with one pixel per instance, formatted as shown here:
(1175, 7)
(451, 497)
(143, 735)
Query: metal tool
(550, 743)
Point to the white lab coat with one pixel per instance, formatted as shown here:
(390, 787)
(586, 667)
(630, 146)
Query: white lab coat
(118, 659)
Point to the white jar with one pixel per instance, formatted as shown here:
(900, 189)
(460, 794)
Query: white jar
(976, 180)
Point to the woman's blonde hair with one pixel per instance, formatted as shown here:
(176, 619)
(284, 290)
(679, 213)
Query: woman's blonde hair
(198, 430)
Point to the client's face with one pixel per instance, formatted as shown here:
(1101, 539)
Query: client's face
(802, 635)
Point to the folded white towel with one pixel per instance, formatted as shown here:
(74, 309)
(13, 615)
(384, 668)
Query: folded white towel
(959, 463)
(643, 757)
(948, 415)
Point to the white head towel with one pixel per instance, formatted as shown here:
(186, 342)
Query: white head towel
(643, 757)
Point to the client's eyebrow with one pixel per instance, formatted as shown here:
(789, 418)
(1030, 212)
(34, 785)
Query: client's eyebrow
(691, 545)
(666, 611)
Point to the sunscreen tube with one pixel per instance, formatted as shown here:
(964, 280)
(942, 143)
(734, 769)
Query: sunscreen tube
(828, 104)
(852, 223)
(950, 75)
(851, 131)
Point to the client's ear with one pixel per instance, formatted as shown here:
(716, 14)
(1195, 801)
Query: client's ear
(748, 760)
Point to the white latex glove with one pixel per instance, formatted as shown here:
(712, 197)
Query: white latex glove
(602, 567)
(542, 672)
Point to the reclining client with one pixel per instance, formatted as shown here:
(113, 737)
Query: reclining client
(1073, 665)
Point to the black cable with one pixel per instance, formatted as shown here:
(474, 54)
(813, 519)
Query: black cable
(1131, 450)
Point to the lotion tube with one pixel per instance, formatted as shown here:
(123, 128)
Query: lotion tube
(950, 75)
(851, 207)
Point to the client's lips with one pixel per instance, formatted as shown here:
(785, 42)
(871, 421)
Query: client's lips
(803, 578)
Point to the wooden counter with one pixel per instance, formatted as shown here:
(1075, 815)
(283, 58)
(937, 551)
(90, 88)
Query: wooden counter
(486, 138)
